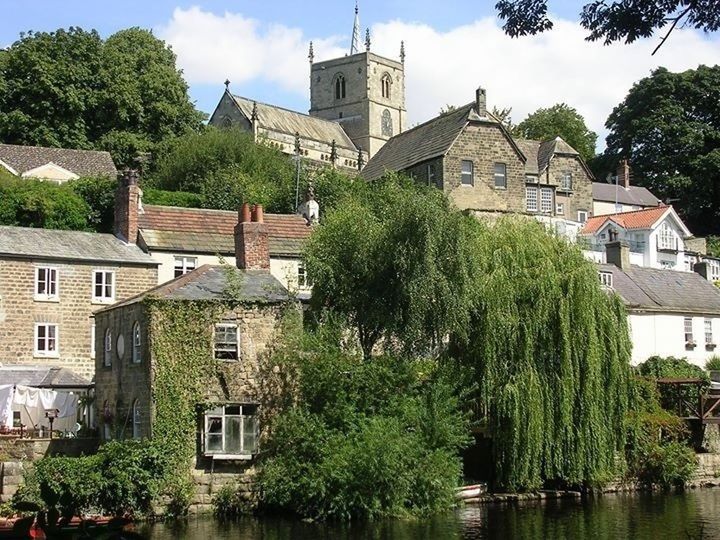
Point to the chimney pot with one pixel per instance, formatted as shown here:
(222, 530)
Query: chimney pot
(618, 253)
(481, 102)
(701, 268)
(623, 173)
(127, 204)
(245, 213)
(252, 245)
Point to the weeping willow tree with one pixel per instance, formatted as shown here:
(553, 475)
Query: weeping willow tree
(551, 352)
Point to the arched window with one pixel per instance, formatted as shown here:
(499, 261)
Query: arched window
(387, 128)
(107, 356)
(136, 418)
(339, 86)
(385, 82)
(136, 344)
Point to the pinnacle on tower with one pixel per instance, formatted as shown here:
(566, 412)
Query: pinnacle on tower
(367, 39)
(355, 43)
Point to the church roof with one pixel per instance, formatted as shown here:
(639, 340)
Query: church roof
(81, 162)
(292, 122)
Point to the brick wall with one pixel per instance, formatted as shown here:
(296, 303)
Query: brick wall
(19, 311)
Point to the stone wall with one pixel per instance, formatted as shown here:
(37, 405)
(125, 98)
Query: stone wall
(19, 310)
(580, 197)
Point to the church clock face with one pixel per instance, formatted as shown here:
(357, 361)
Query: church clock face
(387, 128)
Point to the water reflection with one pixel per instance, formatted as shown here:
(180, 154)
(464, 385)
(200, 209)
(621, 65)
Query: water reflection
(693, 515)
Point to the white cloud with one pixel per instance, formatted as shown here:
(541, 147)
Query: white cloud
(442, 67)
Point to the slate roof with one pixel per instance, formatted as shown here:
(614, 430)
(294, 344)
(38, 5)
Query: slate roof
(291, 122)
(201, 230)
(81, 162)
(210, 282)
(69, 245)
(661, 290)
(635, 219)
(634, 195)
(42, 377)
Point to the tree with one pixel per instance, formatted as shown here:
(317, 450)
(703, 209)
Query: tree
(70, 89)
(623, 20)
(396, 262)
(668, 126)
(563, 121)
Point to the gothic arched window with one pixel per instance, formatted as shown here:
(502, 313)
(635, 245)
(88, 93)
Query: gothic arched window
(339, 86)
(387, 129)
(385, 82)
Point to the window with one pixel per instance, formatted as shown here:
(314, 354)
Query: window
(386, 124)
(339, 87)
(500, 176)
(385, 83)
(46, 283)
(708, 332)
(46, 339)
(531, 179)
(667, 265)
(226, 342)
(531, 202)
(103, 286)
(560, 209)
(466, 172)
(231, 431)
(567, 181)
(107, 349)
(183, 265)
(303, 280)
(582, 216)
(666, 238)
(688, 323)
(606, 279)
(136, 344)
(547, 198)
(136, 418)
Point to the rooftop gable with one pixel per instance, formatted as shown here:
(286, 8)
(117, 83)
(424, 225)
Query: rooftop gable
(22, 159)
(646, 218)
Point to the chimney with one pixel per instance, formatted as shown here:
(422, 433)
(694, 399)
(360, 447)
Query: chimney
(480, 102)
(618, 253)
(127, 203)
(623, 173)
(252, 249)
(702, 268)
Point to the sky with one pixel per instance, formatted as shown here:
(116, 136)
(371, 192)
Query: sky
(452, 47)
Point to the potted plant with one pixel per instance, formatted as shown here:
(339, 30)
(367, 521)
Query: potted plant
(713, 366)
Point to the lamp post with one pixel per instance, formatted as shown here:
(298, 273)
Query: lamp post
(51, 415)
(297, 170)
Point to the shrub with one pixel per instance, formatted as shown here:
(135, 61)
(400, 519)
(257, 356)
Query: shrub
(231, 501)
(172, 198)
(713, 363)
(672, 398)
(669, 465)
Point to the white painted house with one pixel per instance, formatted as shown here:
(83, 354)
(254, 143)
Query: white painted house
(670, 313)
(617, 195)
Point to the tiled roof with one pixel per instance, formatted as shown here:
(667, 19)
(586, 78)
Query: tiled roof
(656, 289)
(291, 122)
(81, 162)
(636, 219)
(634, 195)
(210, 282)
(69, 245)
(212, 231)
(426, 141)
(42, 377)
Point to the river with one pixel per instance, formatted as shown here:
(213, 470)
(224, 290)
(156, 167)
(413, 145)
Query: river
(651, 516)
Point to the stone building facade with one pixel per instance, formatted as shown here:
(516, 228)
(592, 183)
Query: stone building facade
(51, 282)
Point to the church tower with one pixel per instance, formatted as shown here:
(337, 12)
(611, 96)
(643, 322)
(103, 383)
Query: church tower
(362, 91)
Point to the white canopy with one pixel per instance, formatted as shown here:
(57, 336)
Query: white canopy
(32, 403)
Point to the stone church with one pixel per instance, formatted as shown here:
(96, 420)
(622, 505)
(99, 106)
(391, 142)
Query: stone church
(357, 103)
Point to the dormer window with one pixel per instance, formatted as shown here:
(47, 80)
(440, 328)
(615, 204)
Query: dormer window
(666, 238)
(606, 279)
(385, 83)
(339, 86)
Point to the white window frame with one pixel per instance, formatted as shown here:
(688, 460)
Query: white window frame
(666, 238)
(302, 278)
(582, 216)
(464, 174)
(497, 175)
(226, 350)
(220, 413)
(531, 202)
(688, 329)
(46, 351)
(547, 200)
(606, 279)
(136, 419)
(53, 282)
(567, 181)
(187, 264)
(107, 348)
(103, 299)
(136, 356)
(560, 208)
(708, 331)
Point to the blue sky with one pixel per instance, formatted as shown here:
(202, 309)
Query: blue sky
(262, 46)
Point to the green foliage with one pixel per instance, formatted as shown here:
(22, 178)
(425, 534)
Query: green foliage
(563, 121)
(713, 363)
(231, 501)
(713, 246)
(396, 262)
(550, 351)
(71, 89)
(668, 126)
(99, 195)
(364, 439)
(172, 198)
(32, 203)
(674, 398)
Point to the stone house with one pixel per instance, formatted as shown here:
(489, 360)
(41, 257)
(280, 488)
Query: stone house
(55, 164)
(183, 239)
(244, 329)
(51, 282)
(670, 313)
(470, 155)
